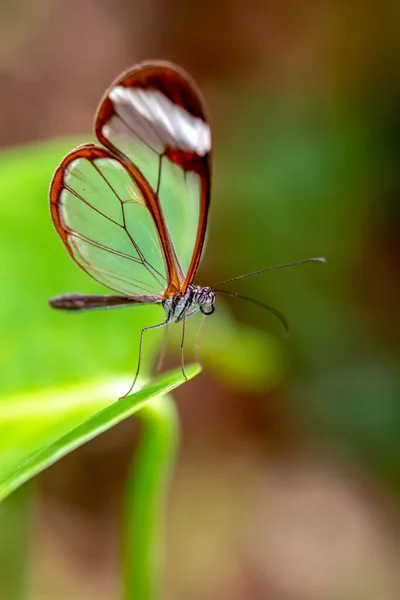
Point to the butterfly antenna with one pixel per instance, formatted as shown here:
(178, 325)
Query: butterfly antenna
(291, 264)
(271, 309)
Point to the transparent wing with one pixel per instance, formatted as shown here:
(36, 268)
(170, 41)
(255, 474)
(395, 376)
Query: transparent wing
(154, 117)
(100, 210)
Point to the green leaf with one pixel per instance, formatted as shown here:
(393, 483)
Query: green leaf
(38, 430)
(41, 348)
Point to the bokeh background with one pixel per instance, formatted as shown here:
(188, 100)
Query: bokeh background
(287, 485)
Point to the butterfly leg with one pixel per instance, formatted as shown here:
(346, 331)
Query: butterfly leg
(197, 347)
(182, 343)
(163, 324)
(161, 356)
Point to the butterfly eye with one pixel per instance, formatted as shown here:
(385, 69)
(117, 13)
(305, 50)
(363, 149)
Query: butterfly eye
(207, 312)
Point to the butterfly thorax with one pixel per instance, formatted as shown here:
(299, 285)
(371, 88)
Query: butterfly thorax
(195, 299)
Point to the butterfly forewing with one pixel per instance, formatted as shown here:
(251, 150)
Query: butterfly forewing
(155, 117)
(101, 215)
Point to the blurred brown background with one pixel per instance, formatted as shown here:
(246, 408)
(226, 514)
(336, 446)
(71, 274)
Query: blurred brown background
(287, 492)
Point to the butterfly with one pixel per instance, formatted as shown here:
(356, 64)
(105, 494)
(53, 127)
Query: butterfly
(132, 211)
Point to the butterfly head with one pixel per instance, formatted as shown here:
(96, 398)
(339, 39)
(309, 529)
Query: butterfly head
(204, 297)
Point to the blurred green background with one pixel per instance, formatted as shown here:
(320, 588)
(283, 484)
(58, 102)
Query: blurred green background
(287, 486)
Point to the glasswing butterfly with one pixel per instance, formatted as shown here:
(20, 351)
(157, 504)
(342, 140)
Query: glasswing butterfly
(132, 212)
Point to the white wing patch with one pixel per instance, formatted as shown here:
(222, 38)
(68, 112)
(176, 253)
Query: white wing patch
(157, 121)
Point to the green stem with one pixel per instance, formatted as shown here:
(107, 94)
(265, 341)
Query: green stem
(15, 528)
(146, 499)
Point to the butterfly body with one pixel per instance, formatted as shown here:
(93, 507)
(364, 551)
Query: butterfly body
(186, 304)
(132, 210)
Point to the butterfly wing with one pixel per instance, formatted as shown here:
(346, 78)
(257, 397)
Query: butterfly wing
(154, 117)
(99, 205)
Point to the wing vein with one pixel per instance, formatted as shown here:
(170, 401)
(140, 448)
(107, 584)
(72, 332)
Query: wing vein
(82, 199)
(103, 247)
(135, 133)
(143, 260)
(85, 265)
